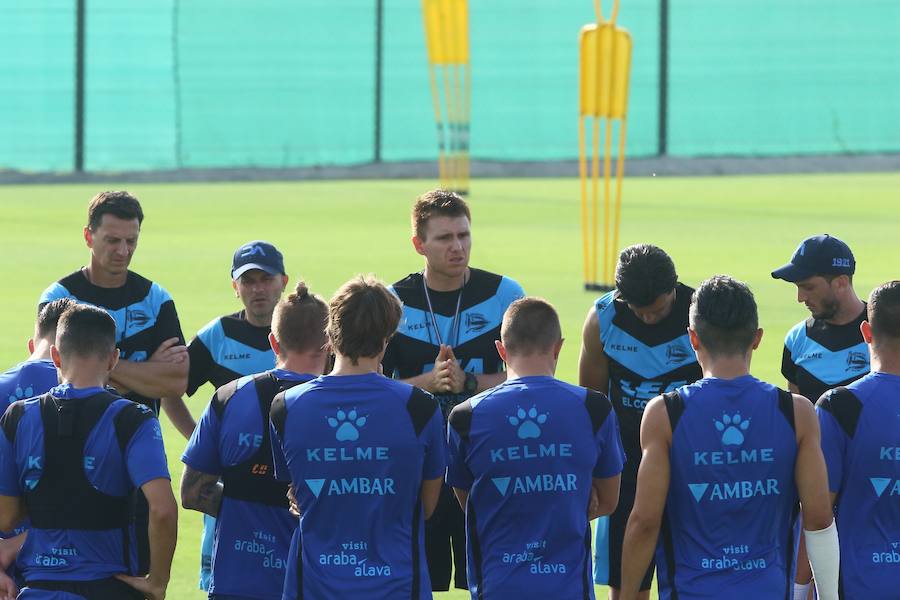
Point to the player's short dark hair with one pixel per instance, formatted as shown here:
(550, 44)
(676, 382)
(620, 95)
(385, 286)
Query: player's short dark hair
(437, 203)
(85, 331)
(49, 316)
(362, 317)
(118, 204)
(530, 326)
(724, 315)
(644, 273)
(299, 321)
(884, 311)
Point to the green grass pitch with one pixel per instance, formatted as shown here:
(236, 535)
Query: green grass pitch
(525, 228)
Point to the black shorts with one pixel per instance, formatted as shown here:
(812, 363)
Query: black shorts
(141, 517)
(445, 543)
(99, 589)
(608, 545)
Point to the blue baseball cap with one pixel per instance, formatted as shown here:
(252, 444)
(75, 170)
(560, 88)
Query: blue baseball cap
(257, 255)
(818, 255)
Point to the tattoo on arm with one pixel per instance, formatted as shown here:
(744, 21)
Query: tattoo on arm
(201, 491)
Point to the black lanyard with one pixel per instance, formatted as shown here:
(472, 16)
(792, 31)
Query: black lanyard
(454, 326)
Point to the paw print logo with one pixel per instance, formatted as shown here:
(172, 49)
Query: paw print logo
(732, 428)
(347, 425)
(21, 394)
(528, 423)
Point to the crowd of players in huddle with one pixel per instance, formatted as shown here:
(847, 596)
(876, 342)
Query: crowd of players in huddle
(440, 445)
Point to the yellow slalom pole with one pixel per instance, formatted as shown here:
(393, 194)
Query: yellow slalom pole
(595, 196)
(465, 93)
(620, 174)
(582, 172)
(436, 53)
(467, 121)
(446, 31)
(607, 196)
(439, 121)
(457, 124)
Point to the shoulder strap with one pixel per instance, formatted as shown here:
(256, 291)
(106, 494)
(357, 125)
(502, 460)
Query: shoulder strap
(598, 407)
(10, 419)
(128, 421)
(222, 396)
(674, 406)
(845, 406)
(460, 419)
(278, 414)
(267, 385)
(421, 406)
(786, 406)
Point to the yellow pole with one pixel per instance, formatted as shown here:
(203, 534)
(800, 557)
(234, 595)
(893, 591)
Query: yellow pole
(439, 121)
(620, 173)
(582, 172)
(595, 199)
(446, 30)
(607, 197)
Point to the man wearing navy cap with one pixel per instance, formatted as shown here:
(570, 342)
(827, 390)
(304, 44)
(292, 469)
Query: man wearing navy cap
(235, 345)
(826, 350)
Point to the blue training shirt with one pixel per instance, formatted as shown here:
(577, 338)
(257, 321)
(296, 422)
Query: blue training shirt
(70, 554)
(644, 361)
(819, 356)
(731, 507)
(356, 449)
(527, 451)
(467, 319)
(227, 348)
(252, 539)
(861, 442)
(26, 380)
(144, 313)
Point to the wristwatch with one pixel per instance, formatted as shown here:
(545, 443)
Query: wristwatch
(470, 384)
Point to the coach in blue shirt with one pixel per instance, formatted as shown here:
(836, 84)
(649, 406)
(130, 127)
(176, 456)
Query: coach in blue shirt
(254, 525)
(366, 456)
(526, 457)
(70, 461)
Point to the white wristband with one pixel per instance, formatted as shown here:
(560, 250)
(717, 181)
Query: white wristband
(825, 559)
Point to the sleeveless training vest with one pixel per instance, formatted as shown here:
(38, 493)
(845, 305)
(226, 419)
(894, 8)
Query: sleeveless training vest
(253, 480)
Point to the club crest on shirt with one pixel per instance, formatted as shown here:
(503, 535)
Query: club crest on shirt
(475, 322)
(676, 353)
(137, 317)
(857, 361)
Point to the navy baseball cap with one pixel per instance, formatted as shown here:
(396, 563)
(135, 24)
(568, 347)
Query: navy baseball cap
(818, 255)
(257, 255)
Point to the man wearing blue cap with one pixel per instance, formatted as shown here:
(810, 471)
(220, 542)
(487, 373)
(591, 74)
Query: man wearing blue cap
(235, 345)
(826, 350)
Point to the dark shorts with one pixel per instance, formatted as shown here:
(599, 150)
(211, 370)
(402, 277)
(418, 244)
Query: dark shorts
(445, 543)
(610, 537)
(141, 516)
(100, 589)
